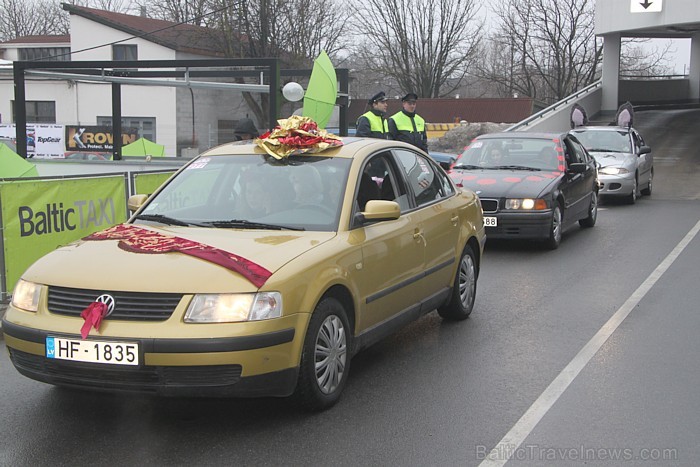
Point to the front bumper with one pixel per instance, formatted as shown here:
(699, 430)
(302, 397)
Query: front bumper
(615, 185)
(262, 364)
(520, 225)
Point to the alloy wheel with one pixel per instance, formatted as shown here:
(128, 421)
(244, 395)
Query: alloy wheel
(330, 354)
(467, 281)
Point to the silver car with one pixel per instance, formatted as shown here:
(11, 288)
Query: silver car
(626, 165)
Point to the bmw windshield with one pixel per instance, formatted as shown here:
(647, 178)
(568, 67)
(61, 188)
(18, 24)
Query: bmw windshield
(516, 153)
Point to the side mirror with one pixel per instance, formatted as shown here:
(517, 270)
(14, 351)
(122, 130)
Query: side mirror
(644, 150)
(379, 210)
(577, 167)
(447, 165)
(136, 201)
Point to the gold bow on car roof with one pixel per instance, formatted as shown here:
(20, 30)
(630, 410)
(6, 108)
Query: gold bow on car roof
(296, 135)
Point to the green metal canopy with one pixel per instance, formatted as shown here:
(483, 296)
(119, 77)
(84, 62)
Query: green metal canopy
(143, 147)
(12, 165)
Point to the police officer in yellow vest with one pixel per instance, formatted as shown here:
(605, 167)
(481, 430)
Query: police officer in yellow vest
(372, 124)
(406, 125)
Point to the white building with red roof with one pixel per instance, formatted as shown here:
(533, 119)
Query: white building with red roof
(178, 118)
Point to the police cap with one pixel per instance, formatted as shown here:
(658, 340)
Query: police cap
(411, 96)
(379, 97)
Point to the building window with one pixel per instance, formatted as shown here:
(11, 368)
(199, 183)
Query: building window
(38, 111)
(145, 125)
(124, 52)
(50, 54)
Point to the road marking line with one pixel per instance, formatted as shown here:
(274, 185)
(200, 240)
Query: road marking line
(505, 449)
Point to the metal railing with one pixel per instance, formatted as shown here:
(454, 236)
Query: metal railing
(556, 106)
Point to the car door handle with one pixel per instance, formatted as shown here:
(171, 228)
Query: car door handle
(418, 235)
(455, 220)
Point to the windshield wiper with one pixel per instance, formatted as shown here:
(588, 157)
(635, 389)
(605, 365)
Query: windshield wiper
(467, 167)
(167, 220)
(242, 223)
(516, 167)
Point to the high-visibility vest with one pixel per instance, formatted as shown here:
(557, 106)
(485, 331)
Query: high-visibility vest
(407, 132)
(404, 123)
(377, 125)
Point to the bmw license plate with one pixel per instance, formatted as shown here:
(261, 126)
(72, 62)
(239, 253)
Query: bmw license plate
(107, 352)
(490, 221)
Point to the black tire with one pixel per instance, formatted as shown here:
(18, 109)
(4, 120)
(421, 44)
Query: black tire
(327, 338)
(461, 301)
(555, 229)
(632, 197)
(647, 190)
(592, 212)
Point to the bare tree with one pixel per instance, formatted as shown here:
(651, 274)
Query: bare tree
(545, 49)
(293, 30)
(178, 11)
(117, 6)
(422, 44)
(639, 61)
(19, 18)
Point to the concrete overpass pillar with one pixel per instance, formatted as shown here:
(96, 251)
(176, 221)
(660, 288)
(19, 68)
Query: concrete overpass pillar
(694, 73)
(611, 72)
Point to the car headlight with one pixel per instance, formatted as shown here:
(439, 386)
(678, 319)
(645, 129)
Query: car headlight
(613, 170)
(232, 308)
(26, 295)
(526, 204)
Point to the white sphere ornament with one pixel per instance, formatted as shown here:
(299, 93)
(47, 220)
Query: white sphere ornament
(293, 91)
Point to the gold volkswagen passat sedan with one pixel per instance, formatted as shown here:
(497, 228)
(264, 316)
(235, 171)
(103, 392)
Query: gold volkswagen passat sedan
(249, 275)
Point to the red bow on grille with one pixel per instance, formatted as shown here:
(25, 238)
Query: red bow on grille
(92, 315)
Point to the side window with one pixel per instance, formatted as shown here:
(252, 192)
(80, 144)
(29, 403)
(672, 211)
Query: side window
(377, 181)
(574, 153)
(638, 141)
(426, 183)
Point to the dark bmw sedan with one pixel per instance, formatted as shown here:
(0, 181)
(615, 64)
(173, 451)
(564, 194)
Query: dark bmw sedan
(532, 185)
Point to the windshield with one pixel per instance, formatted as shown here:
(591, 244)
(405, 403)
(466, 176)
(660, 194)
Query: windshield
(511, 154)
(253, 192)
(604, 140)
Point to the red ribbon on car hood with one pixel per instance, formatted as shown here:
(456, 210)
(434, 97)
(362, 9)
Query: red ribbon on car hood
(138, 240)
(92, 315)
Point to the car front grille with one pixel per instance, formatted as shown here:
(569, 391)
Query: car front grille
(489, 205)
(136, 306)
(143, 378)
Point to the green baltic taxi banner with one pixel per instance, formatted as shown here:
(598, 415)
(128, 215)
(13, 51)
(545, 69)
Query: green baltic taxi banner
(40, 215)
(145, 183)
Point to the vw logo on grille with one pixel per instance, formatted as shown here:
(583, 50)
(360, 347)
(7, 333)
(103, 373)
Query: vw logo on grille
(107, 300)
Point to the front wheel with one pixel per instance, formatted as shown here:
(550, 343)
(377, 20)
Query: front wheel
(463, 290)
(325, 359)
(555, 229)
(592, 212)
(632, 197)
(647, 190)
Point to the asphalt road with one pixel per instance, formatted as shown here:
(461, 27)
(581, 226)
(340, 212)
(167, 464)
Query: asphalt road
(448, 394)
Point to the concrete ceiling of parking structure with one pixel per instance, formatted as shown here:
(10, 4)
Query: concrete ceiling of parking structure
(660, 19)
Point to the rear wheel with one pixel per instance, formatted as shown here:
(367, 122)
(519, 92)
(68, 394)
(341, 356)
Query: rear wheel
(325, 359)
(464, 288)
(555, 229)
(647, 190)
(592, 212)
